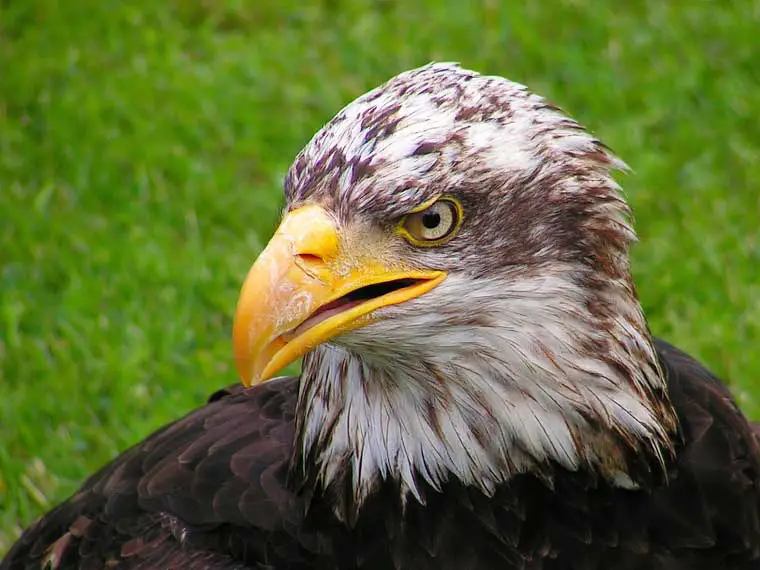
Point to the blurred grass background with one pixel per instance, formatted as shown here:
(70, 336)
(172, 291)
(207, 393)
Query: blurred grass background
(142, 145)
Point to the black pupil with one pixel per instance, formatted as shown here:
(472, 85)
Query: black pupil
(431, 220)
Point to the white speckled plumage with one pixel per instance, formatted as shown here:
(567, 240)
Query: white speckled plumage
(534, 349)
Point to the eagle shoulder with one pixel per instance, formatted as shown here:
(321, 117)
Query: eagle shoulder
(713, 498)
(203, 491)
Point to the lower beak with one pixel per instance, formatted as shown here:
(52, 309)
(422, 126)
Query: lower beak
(306, 289)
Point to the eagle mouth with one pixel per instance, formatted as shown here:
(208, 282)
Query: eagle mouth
(350, 300)
(307, 288)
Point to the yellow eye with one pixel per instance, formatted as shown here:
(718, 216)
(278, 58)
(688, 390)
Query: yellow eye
(433, 225)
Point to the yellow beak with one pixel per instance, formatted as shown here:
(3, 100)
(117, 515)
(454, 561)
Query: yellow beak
(305, 289)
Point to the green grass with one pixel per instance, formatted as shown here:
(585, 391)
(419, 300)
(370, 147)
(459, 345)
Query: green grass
(142, 145)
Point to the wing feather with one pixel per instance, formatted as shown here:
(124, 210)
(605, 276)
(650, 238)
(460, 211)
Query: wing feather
(199, 493)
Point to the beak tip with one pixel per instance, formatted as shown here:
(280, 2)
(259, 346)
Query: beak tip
(246, 378)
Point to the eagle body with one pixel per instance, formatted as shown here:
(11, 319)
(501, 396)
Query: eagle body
(479, 387)
(214, 490)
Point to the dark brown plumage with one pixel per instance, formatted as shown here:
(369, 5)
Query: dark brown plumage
(210, 491)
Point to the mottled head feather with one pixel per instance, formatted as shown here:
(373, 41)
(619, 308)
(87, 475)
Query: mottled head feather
(534, 351)
(441, 128)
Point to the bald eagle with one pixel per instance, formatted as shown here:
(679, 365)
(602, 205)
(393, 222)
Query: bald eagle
(479, 390)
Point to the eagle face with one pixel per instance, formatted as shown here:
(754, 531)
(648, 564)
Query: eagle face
(453, 266)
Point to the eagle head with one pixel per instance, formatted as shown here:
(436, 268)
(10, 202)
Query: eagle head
(453, 267)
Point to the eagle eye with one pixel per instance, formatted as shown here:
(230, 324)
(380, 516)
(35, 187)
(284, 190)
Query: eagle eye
(432, 224)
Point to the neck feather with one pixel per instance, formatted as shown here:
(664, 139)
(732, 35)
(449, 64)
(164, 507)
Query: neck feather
(529, 386)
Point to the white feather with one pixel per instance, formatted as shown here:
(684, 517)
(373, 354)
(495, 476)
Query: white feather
(522, 378)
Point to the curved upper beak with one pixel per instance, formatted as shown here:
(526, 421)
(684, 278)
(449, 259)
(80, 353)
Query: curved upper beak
(306, 288)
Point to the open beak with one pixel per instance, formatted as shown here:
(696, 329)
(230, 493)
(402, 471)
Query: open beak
(306, 288)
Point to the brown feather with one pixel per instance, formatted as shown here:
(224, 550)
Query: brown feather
(211, 491)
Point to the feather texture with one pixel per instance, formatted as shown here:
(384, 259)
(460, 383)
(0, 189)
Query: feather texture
(211, 491)
(517, 416)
